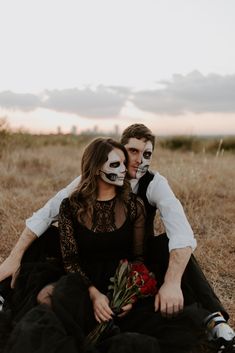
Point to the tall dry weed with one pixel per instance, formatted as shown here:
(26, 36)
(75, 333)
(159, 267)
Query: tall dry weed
(204, 183)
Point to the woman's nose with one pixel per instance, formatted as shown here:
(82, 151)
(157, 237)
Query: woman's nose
(123, 169)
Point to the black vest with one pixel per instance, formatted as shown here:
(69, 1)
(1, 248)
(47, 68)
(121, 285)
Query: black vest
(150, 210)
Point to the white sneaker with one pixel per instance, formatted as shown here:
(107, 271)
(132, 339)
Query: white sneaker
(223, 330)
(219, 332)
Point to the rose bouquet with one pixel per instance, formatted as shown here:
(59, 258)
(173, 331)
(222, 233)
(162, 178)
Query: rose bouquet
(130, 282)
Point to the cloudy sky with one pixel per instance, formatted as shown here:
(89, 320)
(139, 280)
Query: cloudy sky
(169, 64)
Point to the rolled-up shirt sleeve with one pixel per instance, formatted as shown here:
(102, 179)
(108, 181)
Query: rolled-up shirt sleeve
(41, 220)
(178, 229)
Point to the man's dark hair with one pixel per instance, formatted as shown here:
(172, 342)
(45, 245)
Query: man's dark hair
(138, 131)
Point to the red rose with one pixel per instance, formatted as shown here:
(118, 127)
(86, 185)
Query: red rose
(139, 267)
(149, 288)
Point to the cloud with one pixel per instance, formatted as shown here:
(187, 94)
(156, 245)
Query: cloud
(104, 101)
(191, 93)
(19, 101)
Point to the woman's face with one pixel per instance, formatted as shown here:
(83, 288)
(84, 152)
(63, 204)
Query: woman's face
(113, 170)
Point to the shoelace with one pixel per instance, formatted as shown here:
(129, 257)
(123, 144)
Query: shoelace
(1, 302)
(227, 346)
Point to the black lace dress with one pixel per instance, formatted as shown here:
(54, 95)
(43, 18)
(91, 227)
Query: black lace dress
(95, 248)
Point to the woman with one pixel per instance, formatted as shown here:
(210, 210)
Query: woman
(102, 222)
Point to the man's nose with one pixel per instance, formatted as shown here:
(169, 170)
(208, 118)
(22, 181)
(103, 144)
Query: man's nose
(139, 158)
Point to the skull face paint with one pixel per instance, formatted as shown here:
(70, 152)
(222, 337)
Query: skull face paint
(114, 170)
(145, 160)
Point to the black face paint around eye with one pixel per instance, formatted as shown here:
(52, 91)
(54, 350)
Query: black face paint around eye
(147, 155)
(114, 165)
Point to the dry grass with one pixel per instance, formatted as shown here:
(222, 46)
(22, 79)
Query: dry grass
(205, 184)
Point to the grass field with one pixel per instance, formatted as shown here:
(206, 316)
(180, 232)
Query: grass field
(31, 172)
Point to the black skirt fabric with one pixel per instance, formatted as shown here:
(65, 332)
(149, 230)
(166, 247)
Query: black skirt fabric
(63, 327)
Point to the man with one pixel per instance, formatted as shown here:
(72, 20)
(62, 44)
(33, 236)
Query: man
(156, 193)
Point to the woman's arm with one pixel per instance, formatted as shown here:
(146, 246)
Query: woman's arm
(138, 244)
(68, 244)
(70, 255)
(139, 231)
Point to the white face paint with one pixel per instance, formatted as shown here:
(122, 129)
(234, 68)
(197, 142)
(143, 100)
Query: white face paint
(114, 170)
(146, 158)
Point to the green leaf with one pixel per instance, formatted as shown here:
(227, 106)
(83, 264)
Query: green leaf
(121, 271)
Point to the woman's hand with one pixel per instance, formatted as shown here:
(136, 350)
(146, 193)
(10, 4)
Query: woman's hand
(102, 310)
(125, 310)
(44, 296)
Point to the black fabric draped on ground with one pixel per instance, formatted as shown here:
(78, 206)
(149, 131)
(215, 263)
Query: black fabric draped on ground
(64, 327)
(37, 328)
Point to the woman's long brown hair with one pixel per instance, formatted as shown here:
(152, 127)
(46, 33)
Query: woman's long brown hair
(95, 155)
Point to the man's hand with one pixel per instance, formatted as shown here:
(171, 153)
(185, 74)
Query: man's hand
(102, 310)
(169, 300)
(12, 263)
(9, 268)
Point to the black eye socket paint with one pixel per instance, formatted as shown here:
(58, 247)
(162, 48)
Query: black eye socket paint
(114, 164)
(147, 155)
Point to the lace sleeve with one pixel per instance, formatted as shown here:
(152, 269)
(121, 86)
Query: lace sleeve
(139, 231)
(68, 244)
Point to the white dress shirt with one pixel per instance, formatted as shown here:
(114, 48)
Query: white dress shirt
(159, 194)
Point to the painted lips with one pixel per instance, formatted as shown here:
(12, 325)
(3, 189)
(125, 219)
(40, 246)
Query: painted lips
(143, 169)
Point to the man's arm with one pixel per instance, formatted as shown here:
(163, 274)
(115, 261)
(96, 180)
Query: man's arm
(41, 220)
(181, 244)
(169, 299)
(12, 263)
(178, 229)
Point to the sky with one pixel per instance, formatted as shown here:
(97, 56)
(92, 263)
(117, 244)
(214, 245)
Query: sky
(169, 64)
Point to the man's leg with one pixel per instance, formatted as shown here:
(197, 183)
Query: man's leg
(45, 248)
(196, 288)
(195, 279)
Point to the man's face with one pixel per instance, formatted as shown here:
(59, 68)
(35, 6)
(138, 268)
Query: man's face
(114, 170)
(140, 155)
